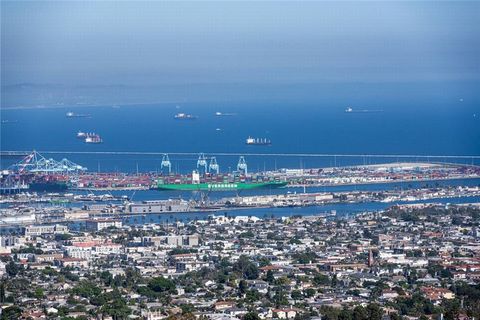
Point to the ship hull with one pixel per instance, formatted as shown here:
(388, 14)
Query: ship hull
(219, 186)
(48, 186)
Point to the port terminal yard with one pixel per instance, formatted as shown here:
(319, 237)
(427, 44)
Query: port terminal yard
(84, 194)
(37, 173)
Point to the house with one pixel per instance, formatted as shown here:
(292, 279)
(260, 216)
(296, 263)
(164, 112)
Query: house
(224, 305)
(437, 294)
(388, 294)
(73, 263)
(259, 285)
(153, 311)
(287, 313)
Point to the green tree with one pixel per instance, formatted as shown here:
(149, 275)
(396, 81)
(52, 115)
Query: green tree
(263, 261)
(115, 305)
(251, 316)
(12, 269)
(270, 276)
(374, 311)
(452, 309)
(296, 295)
(252, 296)
(2, 292)
(11, 313)
(329, 313)
(242, 286)
(305, 257)
(345, 314)
(106, 277)
(161, 284)
(395, 316)
(359, 313)
(38, 293)
(187, 308)
(334, 281)
(309, 292)
(280, 298)
(321, 280)
(246, 267)
(87, 289)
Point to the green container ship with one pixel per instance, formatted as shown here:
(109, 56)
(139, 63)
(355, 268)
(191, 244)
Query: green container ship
(219, 186)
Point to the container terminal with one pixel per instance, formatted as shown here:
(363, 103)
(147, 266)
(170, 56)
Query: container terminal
(35, 173)
(47, 190)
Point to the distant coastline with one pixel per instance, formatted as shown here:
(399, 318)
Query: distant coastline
(69, 106)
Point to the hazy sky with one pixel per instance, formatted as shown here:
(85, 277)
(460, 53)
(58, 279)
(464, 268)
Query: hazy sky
(151, 43)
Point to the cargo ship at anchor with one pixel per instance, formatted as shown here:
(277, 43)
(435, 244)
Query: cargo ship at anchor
(258, 141)
(76, 115)
(351, 110)
(89, 137)
(184, 116)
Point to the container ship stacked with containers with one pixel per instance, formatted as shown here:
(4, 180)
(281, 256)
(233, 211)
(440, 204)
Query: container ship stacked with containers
(113, 180)
(49, 183)
(215, 182)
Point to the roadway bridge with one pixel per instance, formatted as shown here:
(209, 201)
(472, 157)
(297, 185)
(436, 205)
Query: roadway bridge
(256, 154)
(14, 154)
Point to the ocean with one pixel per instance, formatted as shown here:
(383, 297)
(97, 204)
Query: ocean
(307, 128)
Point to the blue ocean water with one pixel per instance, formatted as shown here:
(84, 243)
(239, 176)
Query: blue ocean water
(449, 129)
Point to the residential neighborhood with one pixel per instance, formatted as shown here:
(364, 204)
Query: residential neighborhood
(407, 262)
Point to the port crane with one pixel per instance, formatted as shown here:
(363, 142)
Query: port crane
(213, 166)
(166, 163)
(242, 165)
(36, 163)
(202, 162)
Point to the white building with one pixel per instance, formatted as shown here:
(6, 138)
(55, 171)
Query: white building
(78, 252)
(100, 224)
(38, 230)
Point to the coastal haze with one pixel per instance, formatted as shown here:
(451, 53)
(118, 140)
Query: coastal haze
(287, 70)
(240, 160)
(349, 53)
